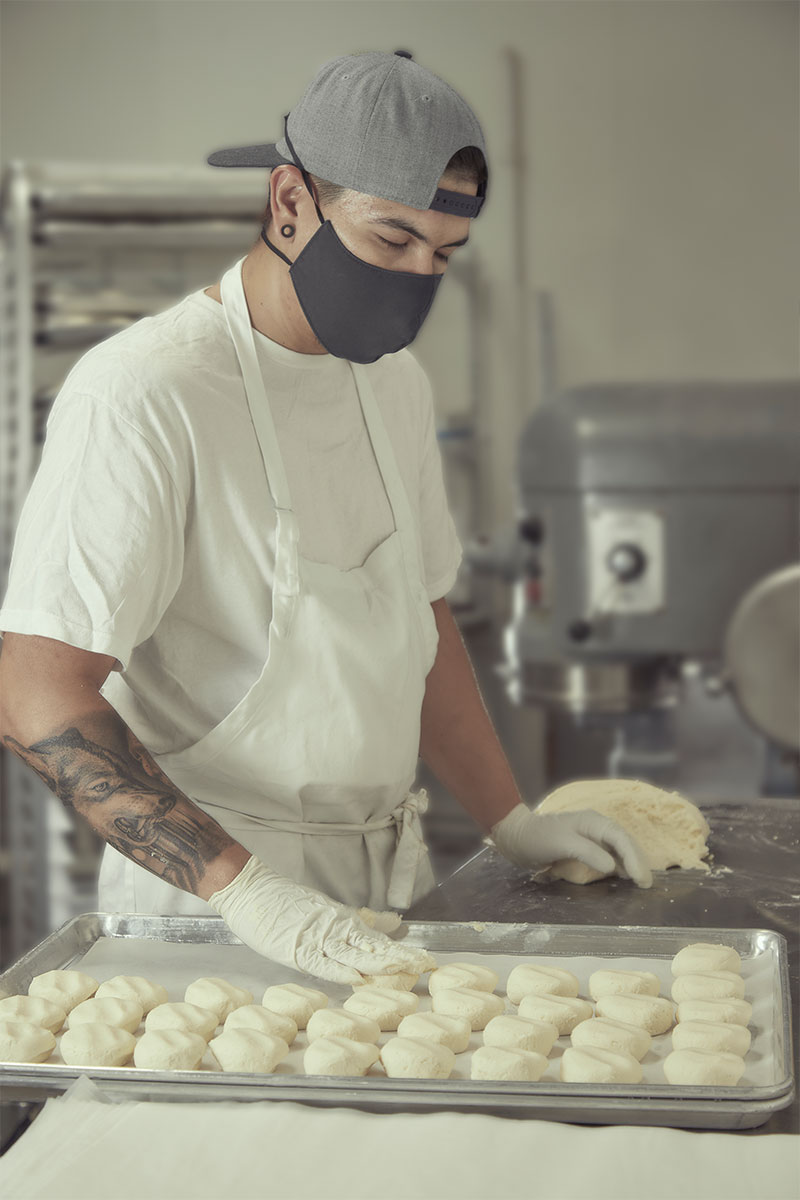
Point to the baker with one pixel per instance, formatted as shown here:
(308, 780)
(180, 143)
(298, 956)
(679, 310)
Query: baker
(227, 641)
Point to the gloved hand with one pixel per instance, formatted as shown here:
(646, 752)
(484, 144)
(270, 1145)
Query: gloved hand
(305, 929)
(537, 841)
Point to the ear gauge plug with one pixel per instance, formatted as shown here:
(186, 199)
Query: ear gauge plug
(287, 231)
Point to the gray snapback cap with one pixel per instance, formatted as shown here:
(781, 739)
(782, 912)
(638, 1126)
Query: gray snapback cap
(377, 123)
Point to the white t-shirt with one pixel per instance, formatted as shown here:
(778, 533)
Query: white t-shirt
(148, 533)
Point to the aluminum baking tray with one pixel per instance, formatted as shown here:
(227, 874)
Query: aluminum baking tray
(175, 950)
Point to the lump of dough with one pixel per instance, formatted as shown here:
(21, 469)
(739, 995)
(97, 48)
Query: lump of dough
(730, 1011)
(612, 983)
(670, 830)
(463, 975)
(169, 1050)
(125, 1014)
(217, 995)
(295, 1001)
(520, 1033)
(700, 957)
(384, 922)
(339, 1056)
(387, 1006)
(477, 1007)
(255, 1016)
(417, 1058)
(453, 1032)
(189, 1018)
(404, 981)
(33, 1009)
(95, 1045)
(497, 1062)
(713, 985)
(335, 1022)
(25, 1042)
(592, 1064)
(134, 987)
(527, 980)
(655, 1014)
(711, 1035)
(562, 1011)
(606, 1034)
(248, 1050)
(717, 1067)
(65, 989)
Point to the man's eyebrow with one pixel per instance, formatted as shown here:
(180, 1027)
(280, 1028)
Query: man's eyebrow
(407, 227)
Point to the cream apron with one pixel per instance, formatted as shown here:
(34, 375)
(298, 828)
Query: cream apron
(312, 770)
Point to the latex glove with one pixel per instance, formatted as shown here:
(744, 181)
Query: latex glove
(304, 929)
(532, 840)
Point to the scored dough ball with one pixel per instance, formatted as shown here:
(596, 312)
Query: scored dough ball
(65, 989)
(189, 1018)
(97, 1045)
(295, 1001)
(255, 1016)
(606, 1034)
(417, 1058)
(717, 1067)
(562, 1011)
(497, 1062)
(404, 981)
(711, 1035)
(520, 1033)
(248, 1050)
(477, 1007)
(335, 1022)
(700, 957)
(713, 985)
(134, 987)
(217, 995)
(25, 1042)
(33, 1009)
(463, 975)
(387, 1006)
(528, 980)
(453, 1032)
(614, 983)
(730, 1011)
(653, 1013)
(125, 1014)
(169, 1050)
(592, 1064)
(339, 1056)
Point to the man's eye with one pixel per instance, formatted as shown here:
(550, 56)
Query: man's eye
(394, 245)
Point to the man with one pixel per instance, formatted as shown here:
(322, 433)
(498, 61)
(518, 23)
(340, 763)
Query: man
(239, 533)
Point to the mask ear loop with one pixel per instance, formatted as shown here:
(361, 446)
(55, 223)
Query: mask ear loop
(306, 181)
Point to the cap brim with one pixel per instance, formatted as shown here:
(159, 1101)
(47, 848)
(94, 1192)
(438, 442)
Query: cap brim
(266, 155)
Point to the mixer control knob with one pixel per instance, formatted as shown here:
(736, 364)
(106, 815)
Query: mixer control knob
(580, 631)
(627, 561)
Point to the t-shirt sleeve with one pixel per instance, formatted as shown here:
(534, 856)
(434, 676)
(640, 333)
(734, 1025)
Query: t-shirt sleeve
(441, 548)
(98, 552)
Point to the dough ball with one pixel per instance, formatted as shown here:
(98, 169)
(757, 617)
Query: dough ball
(169, 1050)
(477, 1007)
(295, 1001)
(652, 1013)
(134, 987)
(614, 983)
(671, 830)
(592, 1064)
(125, 1014)
(529, 980)
(713, 985)
(717, 1067)
(65, 989)
(520, 1033)
(255, 1016)
(33, 1009)
(384, 922)
(217, 995)
(96, 1045)
(606, 1034)
(248, 1050)
(463, 975)
(497, 1062)
(387, 1006)
(562, 1011)
(339, 1056)
(700, 957)
(730, 1011)
(189, 1018)
(25, 1042)
(711, 1035)
(335, 1022)
(453, 1032)
(404, 981)
(417, 1058)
